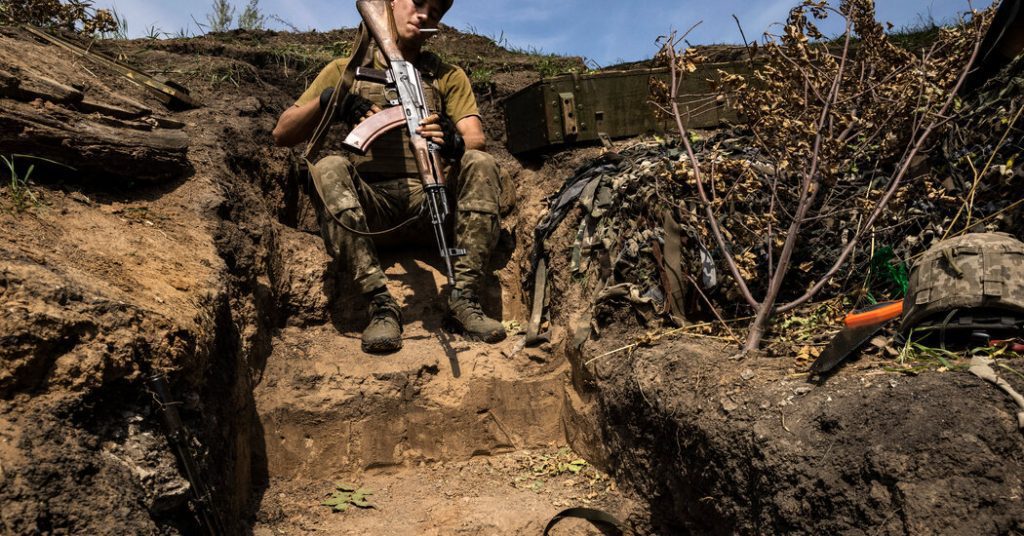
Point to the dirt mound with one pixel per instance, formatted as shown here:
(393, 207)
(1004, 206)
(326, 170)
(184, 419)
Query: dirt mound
(752, 449)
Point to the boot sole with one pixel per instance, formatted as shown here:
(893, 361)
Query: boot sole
(385, 346)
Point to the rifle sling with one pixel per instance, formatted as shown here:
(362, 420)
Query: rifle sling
(533, 334)
(341, 89)
(359, 58)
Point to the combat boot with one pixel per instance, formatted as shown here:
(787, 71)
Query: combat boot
(384, 333)
(468, 318)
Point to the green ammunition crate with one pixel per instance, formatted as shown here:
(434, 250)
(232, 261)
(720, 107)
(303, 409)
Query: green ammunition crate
(571, 108)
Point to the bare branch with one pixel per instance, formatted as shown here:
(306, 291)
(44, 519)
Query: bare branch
(809, 191)
(695, 164)
(904, 167)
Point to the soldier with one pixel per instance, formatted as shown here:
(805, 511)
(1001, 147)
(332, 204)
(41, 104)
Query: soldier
(383, 188)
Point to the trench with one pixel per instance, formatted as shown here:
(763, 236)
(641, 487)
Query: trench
(698, 444)
(282, 404)
(319, 410)
(219, 279)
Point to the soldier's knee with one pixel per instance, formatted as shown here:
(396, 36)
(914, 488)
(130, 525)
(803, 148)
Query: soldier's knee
(335, 184)
(333, 161)
(479, 188)
(335, 169)
(478, 159)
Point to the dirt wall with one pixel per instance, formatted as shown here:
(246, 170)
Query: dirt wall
(720, 447)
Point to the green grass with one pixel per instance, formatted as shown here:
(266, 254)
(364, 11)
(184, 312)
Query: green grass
(915, 38)
(481, 75)
(19, 185)
(916, 357)
(19, 189)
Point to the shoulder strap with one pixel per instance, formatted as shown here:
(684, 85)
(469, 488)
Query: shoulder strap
(341, 89)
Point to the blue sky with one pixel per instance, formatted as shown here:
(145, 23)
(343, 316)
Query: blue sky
(604, 31)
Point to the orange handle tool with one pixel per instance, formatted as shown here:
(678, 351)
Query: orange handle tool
(875, 314)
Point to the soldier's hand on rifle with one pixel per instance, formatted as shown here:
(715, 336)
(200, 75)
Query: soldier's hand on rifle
(354, 109)
(441, 130)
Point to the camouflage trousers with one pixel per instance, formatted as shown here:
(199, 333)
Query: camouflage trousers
(473, 185)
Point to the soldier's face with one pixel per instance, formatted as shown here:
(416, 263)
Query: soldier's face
(413, 15)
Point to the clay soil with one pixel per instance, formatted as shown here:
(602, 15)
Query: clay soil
(217, 278)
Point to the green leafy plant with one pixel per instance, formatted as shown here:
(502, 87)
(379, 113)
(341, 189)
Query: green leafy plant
(563, 466)
(347, 495)
(340, 49)
(20, 193)
(550, 65)
(887, 274)
(481, 75)
(562, 462)
(916, 357)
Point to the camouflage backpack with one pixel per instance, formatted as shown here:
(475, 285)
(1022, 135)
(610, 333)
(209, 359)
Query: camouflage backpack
(972, 281)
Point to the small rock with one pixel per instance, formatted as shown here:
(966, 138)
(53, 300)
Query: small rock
(249, 106)
(802, 390)
(747, 375)
(728, 405)
(81, 198)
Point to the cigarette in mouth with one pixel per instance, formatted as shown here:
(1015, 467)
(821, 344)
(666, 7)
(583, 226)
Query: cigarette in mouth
(428, 30)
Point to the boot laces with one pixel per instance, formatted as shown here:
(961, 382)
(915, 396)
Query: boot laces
(467, 306)
(383, 308)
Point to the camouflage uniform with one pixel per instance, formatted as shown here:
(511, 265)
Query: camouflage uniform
(381, 189)
(968, 274)
(473, 186)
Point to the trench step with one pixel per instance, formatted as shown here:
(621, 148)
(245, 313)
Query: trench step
(327, 407)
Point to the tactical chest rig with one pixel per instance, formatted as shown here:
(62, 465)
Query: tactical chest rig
(388, 155)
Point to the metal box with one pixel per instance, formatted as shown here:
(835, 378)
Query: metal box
(572, 108)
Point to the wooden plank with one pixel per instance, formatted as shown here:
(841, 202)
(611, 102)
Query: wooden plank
(97, 147)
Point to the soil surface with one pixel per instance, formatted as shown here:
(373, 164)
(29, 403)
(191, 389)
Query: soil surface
(754, 448)
(216, 278)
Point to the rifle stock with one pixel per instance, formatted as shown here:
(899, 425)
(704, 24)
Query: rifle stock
(381, 23)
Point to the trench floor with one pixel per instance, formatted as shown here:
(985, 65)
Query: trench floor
(452, 437)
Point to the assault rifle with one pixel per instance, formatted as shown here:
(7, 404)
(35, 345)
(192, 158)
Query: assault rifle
(410, 108)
